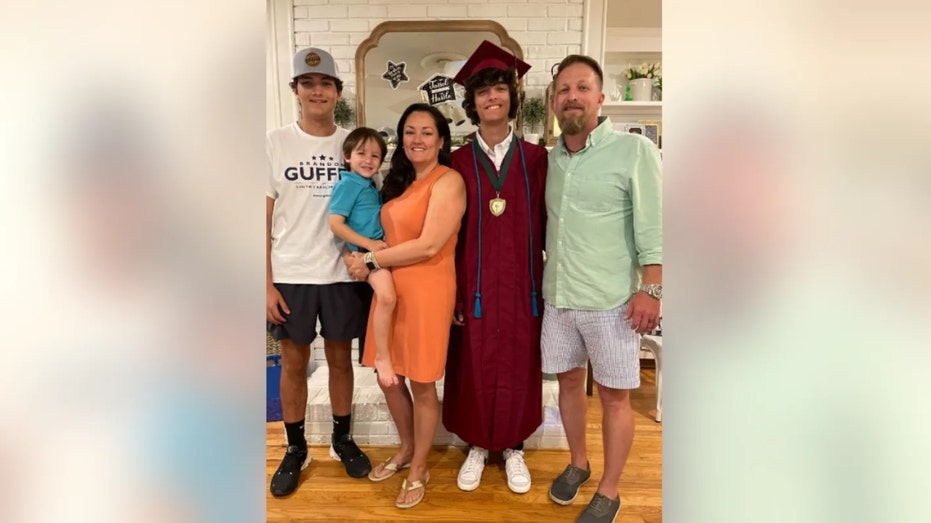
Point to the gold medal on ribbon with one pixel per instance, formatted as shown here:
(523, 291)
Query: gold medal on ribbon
(497, 206)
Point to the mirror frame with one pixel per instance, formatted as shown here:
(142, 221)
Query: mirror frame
(426, 26)
(550, 118)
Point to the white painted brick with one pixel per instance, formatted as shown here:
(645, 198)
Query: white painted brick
(575, 24)
(368, 11)
(302, 40)
(318, 427)
(311, 2)
(545, 51)
(565, 11)
(349, 26)
(319, 412)
(553, 442)
(326, 39)
(345, 66)
(409, 2)
(343, 52)
(489, 11)
(372, 424)
(325, 12)
(573, 49)
(529, 11)
(529, 38)
(365, 413)
(547, 24)
(353, 2)
(557, 37)
(551, 415)
(372, 428)
(516, 24)
(407, 11)
(537, 79)
(318, 396)
(576, 1)
(319, 439)
(384, 440)
(356, 39)
(447, 11)
(552, 62)
(310, 26)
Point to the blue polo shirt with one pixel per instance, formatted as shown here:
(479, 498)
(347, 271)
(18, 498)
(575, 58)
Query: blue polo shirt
(356, 198)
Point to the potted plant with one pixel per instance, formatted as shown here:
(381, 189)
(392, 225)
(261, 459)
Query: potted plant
(641, 79)
(533, 113)
(343, 114)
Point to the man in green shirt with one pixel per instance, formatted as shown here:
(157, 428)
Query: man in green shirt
(602, 280)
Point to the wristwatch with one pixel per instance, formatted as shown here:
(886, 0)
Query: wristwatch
(369, 259)
(654, 290)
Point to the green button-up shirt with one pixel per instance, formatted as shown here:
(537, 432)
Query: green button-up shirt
(604, 219)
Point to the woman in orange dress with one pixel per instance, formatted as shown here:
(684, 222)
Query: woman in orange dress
(424, 201)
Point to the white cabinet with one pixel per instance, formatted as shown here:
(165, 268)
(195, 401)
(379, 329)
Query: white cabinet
(632, 34)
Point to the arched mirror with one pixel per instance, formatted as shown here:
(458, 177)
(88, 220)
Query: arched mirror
(402, 63)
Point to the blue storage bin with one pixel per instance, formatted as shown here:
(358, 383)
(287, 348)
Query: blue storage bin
(273, 388)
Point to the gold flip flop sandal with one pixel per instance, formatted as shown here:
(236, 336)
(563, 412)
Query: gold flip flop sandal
(405, 487)
(392, 468)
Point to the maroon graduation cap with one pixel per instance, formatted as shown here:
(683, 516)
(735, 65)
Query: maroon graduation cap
(490, 55)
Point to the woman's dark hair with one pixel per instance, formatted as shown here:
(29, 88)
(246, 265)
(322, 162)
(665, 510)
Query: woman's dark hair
(488, 77)
(401, 174)
(359, 136)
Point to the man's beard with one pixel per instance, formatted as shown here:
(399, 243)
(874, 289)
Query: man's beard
(571, 126)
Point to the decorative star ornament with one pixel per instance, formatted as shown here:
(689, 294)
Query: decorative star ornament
(395, 74)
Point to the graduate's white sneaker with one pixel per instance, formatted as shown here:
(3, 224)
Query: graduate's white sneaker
(518, 474)
(470, 474)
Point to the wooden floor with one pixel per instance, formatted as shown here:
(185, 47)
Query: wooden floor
(327, 494)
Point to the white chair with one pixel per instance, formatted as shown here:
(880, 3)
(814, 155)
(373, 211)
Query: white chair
(654, 344)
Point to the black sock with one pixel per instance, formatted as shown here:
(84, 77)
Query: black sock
(295, 432)
(519, 446)
(341, 425)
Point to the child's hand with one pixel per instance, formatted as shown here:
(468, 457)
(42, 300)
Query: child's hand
(376, 245)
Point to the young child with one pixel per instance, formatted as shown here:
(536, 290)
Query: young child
(355, 207)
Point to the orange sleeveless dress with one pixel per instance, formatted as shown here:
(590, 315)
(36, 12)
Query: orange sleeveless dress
(426, 291)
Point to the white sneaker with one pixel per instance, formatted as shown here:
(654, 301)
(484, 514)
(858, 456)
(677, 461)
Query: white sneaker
(470, 474)
(518, 474)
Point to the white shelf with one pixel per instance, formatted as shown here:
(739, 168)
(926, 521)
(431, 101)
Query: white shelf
(632, 104)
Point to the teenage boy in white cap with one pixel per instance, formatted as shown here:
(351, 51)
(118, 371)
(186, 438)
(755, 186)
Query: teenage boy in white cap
(306, 279)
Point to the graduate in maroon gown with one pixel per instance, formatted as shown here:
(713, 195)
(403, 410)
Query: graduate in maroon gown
(493, 390)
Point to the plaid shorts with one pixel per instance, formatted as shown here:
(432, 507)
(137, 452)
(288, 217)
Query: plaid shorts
(571, 337)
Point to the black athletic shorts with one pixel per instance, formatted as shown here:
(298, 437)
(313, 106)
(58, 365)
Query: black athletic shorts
(342, 309)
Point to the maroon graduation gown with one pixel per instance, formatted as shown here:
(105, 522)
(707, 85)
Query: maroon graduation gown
(493, 391)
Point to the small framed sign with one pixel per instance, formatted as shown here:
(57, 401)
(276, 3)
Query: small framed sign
(438, 89)
(395, 74)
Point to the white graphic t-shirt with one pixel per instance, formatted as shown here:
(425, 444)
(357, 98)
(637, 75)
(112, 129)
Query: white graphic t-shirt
(302, 170)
